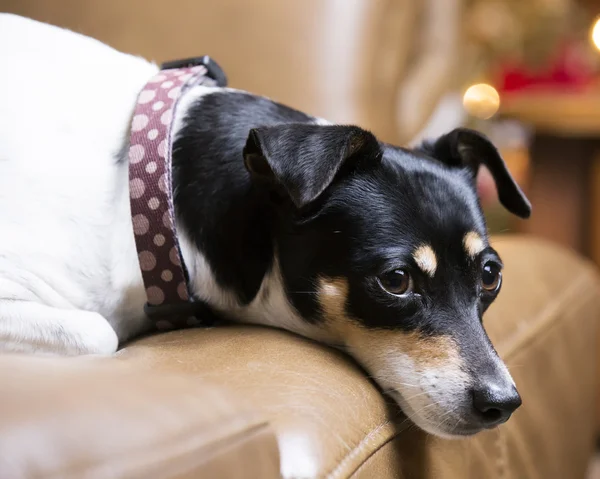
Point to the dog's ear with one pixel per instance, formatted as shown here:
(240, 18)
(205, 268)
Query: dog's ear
(305, 159)
(464, 147)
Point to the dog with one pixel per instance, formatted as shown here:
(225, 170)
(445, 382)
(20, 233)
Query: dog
(283, 220)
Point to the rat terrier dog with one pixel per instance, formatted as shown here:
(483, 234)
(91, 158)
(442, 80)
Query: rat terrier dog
(283, 220)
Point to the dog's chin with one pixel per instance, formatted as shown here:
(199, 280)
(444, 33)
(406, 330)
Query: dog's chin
(437, 426)
(457, 433)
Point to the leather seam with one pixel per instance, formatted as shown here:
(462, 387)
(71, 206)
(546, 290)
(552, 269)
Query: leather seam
(352, 473)
(502, 455)
(345, 464)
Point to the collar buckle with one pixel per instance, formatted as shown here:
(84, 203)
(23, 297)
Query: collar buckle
(213, 69)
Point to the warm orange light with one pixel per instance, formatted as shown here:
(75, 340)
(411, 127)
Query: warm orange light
(595, 34)
(481, 100)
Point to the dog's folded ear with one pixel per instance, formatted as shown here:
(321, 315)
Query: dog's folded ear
(464, 147)
(305, 159)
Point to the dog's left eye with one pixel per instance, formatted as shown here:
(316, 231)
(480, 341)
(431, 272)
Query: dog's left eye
(396, 282)
(491, 277)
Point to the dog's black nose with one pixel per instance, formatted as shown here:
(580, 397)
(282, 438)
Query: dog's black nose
(495, 404)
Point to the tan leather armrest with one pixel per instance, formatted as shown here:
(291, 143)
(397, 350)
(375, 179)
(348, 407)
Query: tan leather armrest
(101, 418)
(332, 422)
(130, 416)
(325, 411)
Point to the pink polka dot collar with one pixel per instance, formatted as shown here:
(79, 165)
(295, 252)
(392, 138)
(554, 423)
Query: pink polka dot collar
(170, 302)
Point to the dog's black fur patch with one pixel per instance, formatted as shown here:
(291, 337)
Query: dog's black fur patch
(251, 176)
(227, 216)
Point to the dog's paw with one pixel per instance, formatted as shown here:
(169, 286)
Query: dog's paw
(298, 458)
(99, 339)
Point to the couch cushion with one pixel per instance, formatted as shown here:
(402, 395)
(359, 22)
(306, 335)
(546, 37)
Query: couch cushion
(331, 420)
(321, 405)
(99, 418)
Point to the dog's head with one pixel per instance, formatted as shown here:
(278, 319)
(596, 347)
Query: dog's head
(385, 251)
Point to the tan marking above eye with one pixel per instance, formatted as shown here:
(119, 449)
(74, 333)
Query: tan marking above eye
(473, 244)
(332, 297)
(426, 259)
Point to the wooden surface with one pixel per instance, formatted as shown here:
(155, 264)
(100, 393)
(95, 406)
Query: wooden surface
(563, 114)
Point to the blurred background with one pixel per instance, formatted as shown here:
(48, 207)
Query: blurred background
(526, 72)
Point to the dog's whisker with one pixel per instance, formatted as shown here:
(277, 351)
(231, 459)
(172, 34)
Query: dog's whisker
(424, 393)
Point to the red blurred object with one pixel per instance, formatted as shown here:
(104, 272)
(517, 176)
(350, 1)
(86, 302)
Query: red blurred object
(571, 70)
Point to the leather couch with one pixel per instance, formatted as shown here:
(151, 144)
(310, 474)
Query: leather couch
(247, 402)
(241, 402)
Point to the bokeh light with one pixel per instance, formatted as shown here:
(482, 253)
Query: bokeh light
(481, 101)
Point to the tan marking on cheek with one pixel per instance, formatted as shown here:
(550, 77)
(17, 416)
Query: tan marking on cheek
(426, 373)
(473, 244)
(370, 345)
(428, 351)
(425, 258)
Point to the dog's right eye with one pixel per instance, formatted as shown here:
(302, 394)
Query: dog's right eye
(396, 282)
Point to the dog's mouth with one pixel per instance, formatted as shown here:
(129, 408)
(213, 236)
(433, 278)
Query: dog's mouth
(447, 385)
(459, 412)
(447, 424)
(440, 390)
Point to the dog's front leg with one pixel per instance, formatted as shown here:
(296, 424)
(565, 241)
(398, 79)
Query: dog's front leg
(29, 327)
